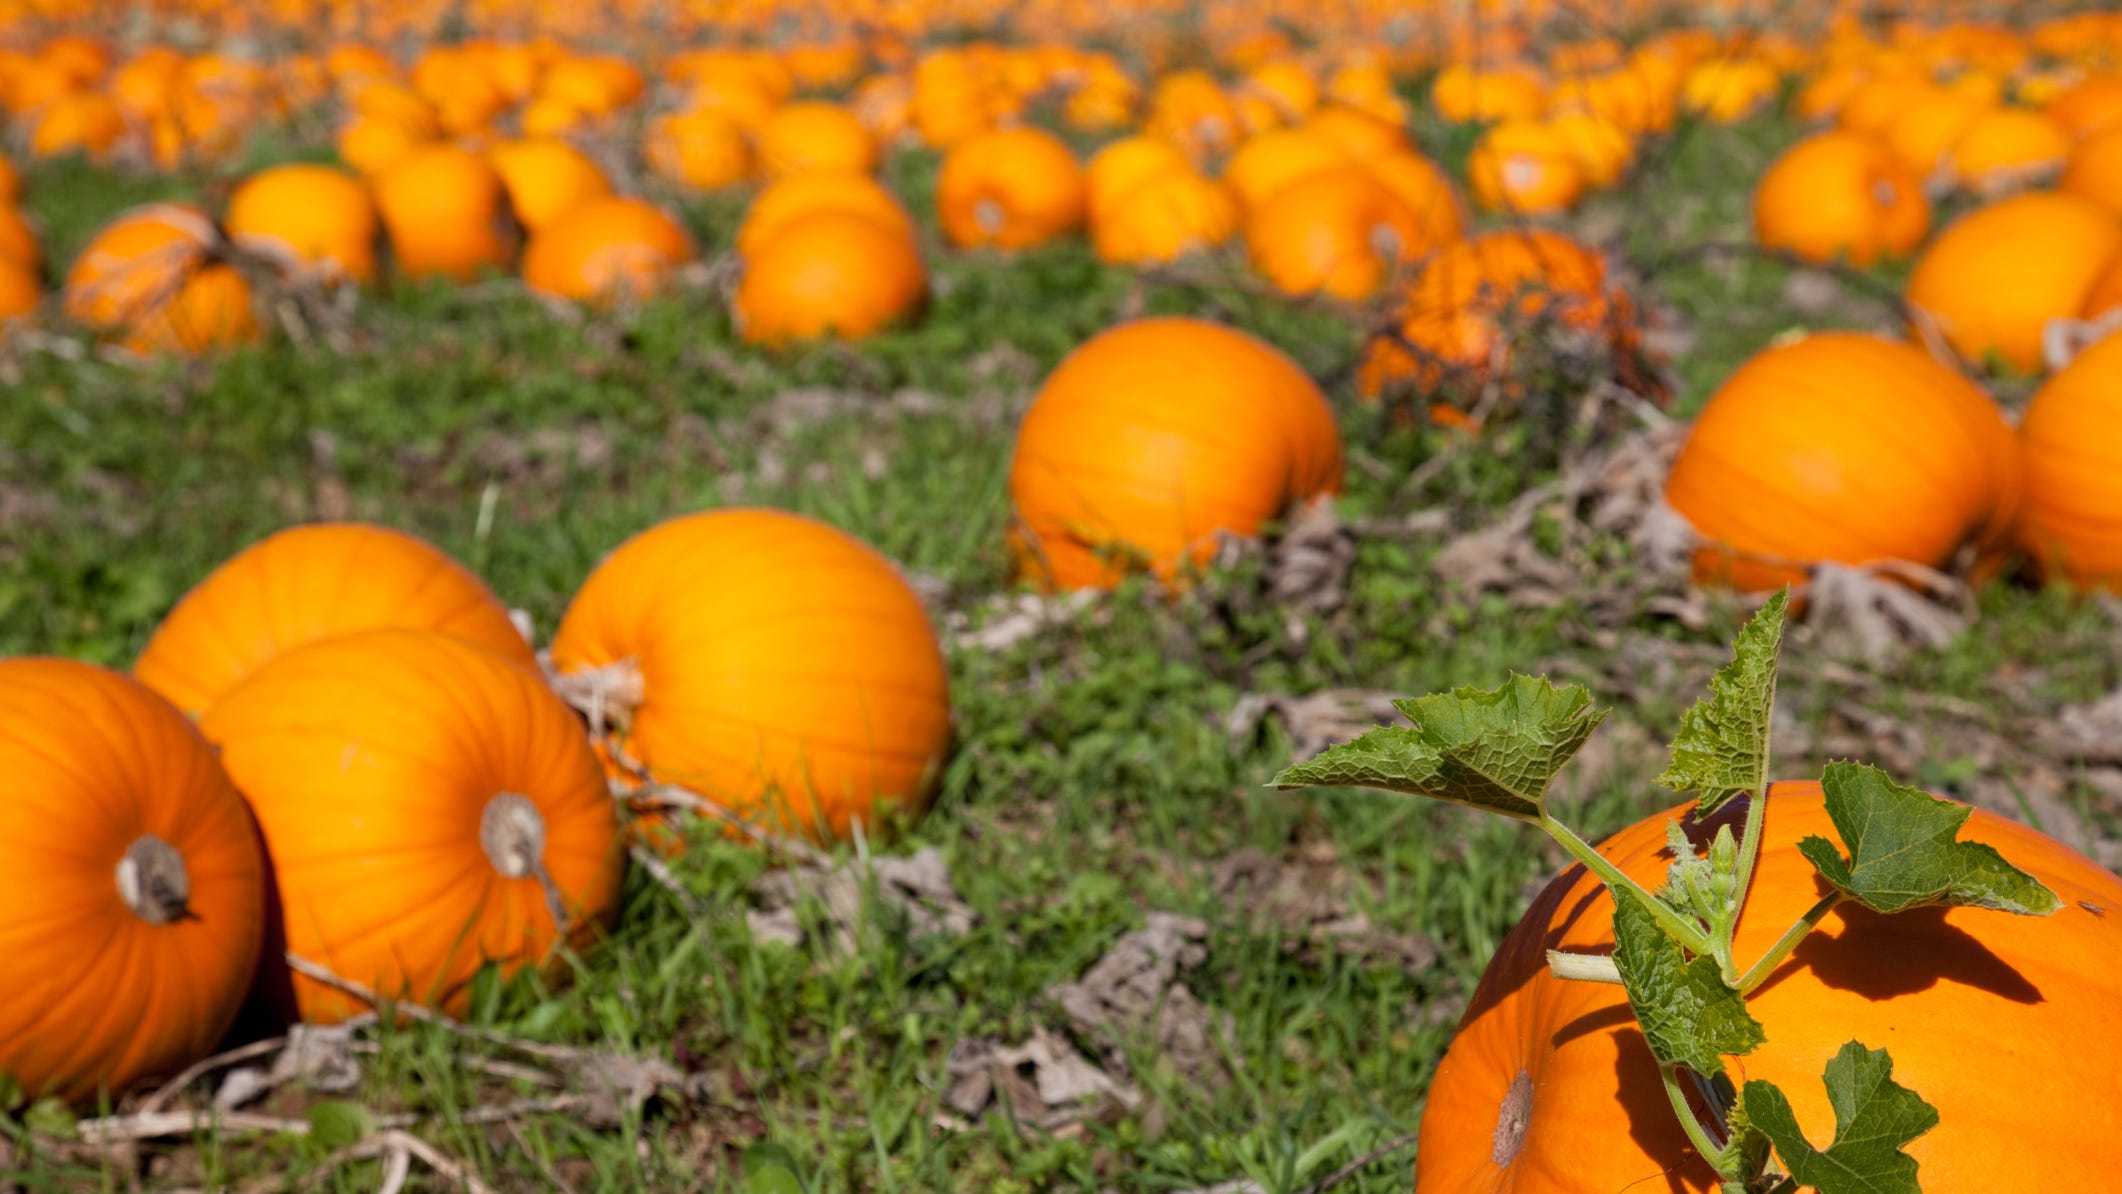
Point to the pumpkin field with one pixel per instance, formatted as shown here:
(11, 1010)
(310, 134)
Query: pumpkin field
(834, 596)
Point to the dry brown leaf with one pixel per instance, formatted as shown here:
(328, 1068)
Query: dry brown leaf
(913, 893)
(1309, 906)
(1314, 721)
(1132, 995)
(1879, 612)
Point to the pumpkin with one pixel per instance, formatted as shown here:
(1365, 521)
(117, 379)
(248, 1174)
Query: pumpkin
(1361, 135)
(1601, 149)
(2106, 292)
(1169, 215)
(1922, 135)
(2095, 170)
(372, 144)
(2004, 149)
(21, 291)
(315, 220)
(605, 249)
(1468, 94)
(1840, 195)
(1880, 99)
(1425, 189)
(1338, 232)
(1548, 1084)
(1152, 437)
(2073, 461)
(1474, 298)
(1729, 90)
(813, 137)
(88, 123)
(1993, 280)
(1125, 164)
(446, 210)
(428, 806)
(1846, 447)
(1267, 162)
(18, 240)
(775, 666)
(546, 178)
(310, 583)
(828, 273)
(782, 203)
(1525, 168)
(138, 888)
(2090, 106)
(701, 149)
(10, 181)
(1011, 189)
(151, 275)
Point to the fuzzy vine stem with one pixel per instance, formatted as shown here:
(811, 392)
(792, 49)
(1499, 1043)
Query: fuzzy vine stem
(1689, 1121)
(1683, 930)
(1760, 970)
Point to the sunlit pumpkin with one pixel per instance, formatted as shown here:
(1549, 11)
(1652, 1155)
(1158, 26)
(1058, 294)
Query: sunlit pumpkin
(701, 149)
(1993, 279)
(2091, 106)
(428, 807)
(1525, 167)
(1168, 215)
(317, 220)
(2095, 170)
(309, 583)
(1466, 93)
(138, 890)
(2073, 460)
(2007, 148)
(1548, 1084)
(1267, 162)
(1010, 189)
(1125, 164)
(1339, 232)
(787, 200)
(1840, 195)
(1151, 438)
(446, 210)
(21, 290)
(1846, 447)
(607, 248)
(151, 278)
(771, 664)
(18, 240)
(828, 273)
(546, 178)
(814, 136)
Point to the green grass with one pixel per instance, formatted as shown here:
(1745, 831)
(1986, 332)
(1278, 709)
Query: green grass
(1094, 783)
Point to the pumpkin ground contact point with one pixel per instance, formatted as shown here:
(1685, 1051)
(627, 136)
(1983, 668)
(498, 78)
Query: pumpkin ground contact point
(153, 882)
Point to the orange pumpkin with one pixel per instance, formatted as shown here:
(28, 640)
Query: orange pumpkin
(1267, 162)
(700, 149)
(1151, 438)
(151, 275)
(2073, 461)
(18, 240)
(1995, 278)
(2095, 170)
(2091, 106)
(605, 249)
(316, 220)
(1167, 216)
(813, 137)
(784, 202)
(310, 583)
(1923, 134)
(1840, 195)
(372, 144)
(1360, 134)
(1425, 189)
(828, 273)
(1466, 93)
(1845, 447)
(1474, 299)
(446, 210)
(139, 890)
(1338, 232)
(1601, 149)
(546, 178)
(10, 181)
(1125, 164)
(1549, 1085)
(2004, 149)
(428, 806)
(1011, 189)
(21, 291)
(772, 664)
(1525, 168)
(88, 123)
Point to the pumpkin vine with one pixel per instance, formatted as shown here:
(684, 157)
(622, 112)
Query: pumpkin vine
(1900, 849)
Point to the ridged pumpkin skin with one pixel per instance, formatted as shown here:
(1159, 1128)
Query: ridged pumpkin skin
(381, 767)
(2005, 148)
(609, 248)
(1168, 215)
(316, 218)
(1840, 195)
(446, 210)
(701, 149)
(784, 202)
(1010, 189)
(814, 137)
(1121, 166)
(546, 178)
(100, 996)
(787, 671)
(2095, 170)
(1845, 447)
(1526, 168)
(18, 240)
(1337, 231)
(310, 583)
(150, 276)
(1930, 986)
(2073, 459)
(828, 273)
(1150, 438)
(1995, 277)
(1270, 161)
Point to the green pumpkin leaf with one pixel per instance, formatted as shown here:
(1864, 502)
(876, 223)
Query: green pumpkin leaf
(1722, 747)
(50, 1116)
(335, 1124)
(1688, 1013)
(770, 1169)
(1904, 850)
(1874, 1117)
(1495, 749)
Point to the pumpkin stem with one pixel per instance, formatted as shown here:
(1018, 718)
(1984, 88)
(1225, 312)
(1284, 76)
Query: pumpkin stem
(989, 216)
(605, 694)
(153, 882)
(512, 831)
